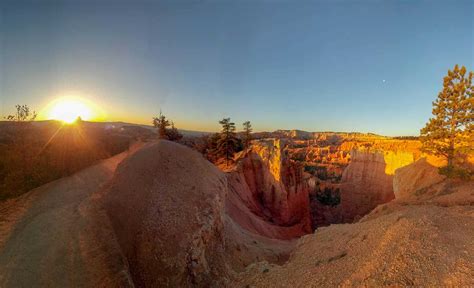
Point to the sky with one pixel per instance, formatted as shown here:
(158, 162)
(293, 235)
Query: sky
(367, 66)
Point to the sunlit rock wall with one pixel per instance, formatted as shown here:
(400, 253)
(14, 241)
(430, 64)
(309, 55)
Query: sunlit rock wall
(272, 186)
(368, 180)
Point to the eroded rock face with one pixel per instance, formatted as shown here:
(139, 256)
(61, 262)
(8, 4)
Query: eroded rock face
(409, 180)
(357, 168)
(273, 188)
(368, 181)
(166, 205)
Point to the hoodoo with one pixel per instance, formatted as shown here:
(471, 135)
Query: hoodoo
(267, 184)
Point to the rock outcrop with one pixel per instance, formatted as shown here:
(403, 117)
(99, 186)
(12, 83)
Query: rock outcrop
(368, 181)
(273, 188)
(166, 205)
(409, 180)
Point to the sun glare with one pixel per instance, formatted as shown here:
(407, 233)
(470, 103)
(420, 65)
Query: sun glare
(69, 110)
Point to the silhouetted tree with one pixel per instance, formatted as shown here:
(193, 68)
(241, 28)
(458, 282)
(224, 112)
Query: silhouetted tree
(22, 114)
(450, 132)
(161, 123)
(210, 149)
(228, 143)
(164, 132)
(173, 133)
(247, 133)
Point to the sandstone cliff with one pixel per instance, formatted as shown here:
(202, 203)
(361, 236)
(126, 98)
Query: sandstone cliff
(409, 180)
(273, 189)
(368, 181)
(360, 170)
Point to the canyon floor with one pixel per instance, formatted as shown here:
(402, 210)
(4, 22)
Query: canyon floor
(160, 215)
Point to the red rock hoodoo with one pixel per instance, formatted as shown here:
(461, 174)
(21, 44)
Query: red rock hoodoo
(267, 184)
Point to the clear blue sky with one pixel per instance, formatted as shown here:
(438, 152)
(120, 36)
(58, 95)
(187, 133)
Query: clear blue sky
(310, 65)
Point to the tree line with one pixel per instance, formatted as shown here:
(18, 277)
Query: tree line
(216, 147)
(223, 145)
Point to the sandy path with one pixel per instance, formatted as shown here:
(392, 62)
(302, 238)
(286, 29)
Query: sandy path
(50, 236)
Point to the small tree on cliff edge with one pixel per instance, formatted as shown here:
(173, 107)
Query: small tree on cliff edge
(173, 133)
(164, 132)
(247, 133)
(450, 131)
(161, 123)
(228, 143)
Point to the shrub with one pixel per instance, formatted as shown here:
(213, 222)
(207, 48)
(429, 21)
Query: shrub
(455, 172)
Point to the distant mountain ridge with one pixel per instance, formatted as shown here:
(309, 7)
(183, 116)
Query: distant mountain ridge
(280, 133)
(120, 124)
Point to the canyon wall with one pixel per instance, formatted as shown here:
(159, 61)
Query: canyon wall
(368, 181)
(270, 193)
(414, 177)
(358, 173)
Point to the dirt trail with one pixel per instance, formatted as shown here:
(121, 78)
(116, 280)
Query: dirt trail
(48, 237)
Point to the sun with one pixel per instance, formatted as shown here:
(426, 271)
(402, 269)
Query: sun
(69, 109)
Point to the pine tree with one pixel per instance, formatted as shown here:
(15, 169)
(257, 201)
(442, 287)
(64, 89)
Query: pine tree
(450, 132)
(247, 133)
(228, 143)
(161, 123)
(173, 133)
